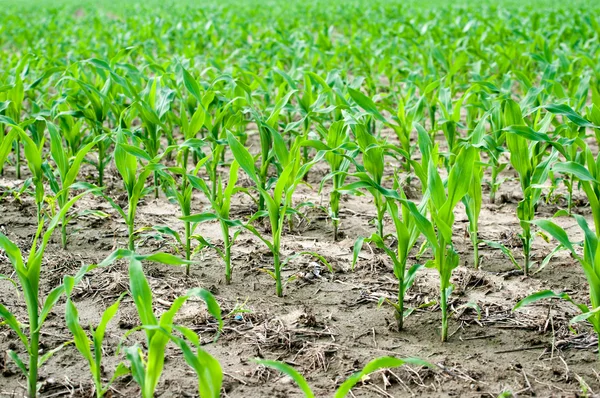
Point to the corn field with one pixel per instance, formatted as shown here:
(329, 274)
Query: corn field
(257, 199)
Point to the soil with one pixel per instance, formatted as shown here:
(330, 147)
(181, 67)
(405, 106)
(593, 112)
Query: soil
(328, 325)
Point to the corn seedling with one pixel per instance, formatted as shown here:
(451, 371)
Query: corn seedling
(177, 185)
(345, 388)
(146, 368)
(221, 205)
(67, 171)
(38, 307)
(93, 106)
(373, 152)
(279, 202)
(588, 262)
(573, 132)
(152, 110)
(92, 350)
(406, 237)
(441, 199)
(474, 197)
(134, 181)
(33, 154)
(528, 161)
(339, 155)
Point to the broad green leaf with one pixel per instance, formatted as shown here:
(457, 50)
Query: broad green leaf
(291, 372)
(366, 103)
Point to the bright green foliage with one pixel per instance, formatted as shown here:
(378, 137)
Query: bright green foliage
(134, 181)
(221, 205)
(38, 307)
(474, 198)
(92, 350)
(442, 197)
(192, 98)
(532, 165)
(406, 235)
(147, 367)
(345, 388)
(278, 202)
(64, 177)
(339, 163)
(588, 177)
(178, 187)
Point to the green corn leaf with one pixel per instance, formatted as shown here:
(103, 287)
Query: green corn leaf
(291, 372)
(358, 244)
(375, 365)
(366, 103)
(545, 294)
(138, 372)
(208, 369)
(100, 331)
(243, 157)
(557, 233)
(13, 355)
(11, 321)
(574, 168)
(573, 116)
(199, 218)
(507, 252)
(585, 316)
(164, 258)
(191, 84)
(141, 294)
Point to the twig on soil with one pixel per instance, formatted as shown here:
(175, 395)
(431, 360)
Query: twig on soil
(527, 382)
(567, 371)
(457, 373)
(487, 336)
(553, 338)
(379, 390)
(235, 378)
(535, 347)
(407, 388)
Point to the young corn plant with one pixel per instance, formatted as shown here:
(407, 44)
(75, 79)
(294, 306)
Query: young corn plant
(279, 202)
(12, 98)
(474, 197)
(589, 178)
(67, 170)
(147, 367)
(267, 128)
(441, 199)
(134, 180)
(177, 185)
(345, 388)
(528, 161)
(151, 110)
(373, 153)
(406, 117)
(92, 350)
(339, 155)
(221, 206)
(573, 132)
(495, 147)
(406, 237)
(370, 174)
(38, 307)
(93, 105)
(34, 156)
(588, 262)
(339, 165)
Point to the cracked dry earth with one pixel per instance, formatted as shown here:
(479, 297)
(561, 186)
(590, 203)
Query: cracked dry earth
(328, 325)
